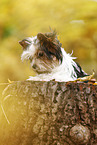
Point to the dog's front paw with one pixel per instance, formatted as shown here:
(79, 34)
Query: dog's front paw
(40, 78)
(33, 78)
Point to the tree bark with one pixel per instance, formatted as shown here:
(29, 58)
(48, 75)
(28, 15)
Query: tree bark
(48, 113)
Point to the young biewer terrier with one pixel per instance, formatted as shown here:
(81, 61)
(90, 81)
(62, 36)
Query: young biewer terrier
(49, 59)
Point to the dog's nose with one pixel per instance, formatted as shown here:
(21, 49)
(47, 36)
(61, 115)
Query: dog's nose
(34, 66)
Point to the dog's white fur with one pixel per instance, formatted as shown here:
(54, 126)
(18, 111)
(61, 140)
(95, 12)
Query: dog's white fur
(54, 70)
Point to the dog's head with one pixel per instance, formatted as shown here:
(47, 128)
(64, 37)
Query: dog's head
(43, 51)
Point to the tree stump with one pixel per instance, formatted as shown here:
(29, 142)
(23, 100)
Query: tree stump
(48, 113)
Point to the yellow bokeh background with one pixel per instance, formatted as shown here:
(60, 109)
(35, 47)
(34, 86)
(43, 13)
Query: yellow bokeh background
(75, 22)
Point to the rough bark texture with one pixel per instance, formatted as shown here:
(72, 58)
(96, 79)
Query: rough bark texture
(48, 113)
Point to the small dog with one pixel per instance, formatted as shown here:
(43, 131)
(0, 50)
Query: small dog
(49, 59)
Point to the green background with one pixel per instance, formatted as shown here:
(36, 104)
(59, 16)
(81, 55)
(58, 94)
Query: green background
(75, 22)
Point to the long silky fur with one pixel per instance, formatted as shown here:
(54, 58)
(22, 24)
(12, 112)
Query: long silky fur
(66, 70)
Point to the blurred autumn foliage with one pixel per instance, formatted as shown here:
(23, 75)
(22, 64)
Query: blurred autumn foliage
(75, 22)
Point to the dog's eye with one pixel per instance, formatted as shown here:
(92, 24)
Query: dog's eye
(30, 58)
(40, 54)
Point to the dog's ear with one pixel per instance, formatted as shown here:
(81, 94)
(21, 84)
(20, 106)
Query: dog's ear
(50, 44)
(24, 43)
